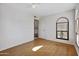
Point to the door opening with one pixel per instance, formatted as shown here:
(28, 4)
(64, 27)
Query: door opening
(36, 24)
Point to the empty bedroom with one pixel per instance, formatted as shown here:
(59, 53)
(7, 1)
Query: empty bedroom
(39, 29)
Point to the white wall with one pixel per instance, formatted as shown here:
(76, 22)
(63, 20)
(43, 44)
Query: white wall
(16, 27)
(47, 26)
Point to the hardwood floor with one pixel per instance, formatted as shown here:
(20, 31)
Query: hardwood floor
(50, 48)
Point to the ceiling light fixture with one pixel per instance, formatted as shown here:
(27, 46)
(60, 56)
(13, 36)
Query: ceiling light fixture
(35, 5)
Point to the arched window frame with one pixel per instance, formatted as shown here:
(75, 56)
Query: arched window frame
(67, 21)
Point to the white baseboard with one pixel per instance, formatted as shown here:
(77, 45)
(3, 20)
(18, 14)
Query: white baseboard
(5, 48)
(77, 48)
(63, 41)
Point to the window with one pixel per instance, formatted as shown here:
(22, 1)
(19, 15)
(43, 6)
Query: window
(62, 28)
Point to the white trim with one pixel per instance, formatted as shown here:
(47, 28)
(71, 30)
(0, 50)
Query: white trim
(77, 48)
(63, 41)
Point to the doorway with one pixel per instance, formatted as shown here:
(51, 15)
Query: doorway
(36, 27)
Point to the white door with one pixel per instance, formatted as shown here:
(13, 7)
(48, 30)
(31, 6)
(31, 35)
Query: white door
(77, 31)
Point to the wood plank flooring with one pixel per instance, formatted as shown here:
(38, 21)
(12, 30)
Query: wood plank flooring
(50, 48)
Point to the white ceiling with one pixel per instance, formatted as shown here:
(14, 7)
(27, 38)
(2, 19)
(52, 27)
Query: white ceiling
(43, 9)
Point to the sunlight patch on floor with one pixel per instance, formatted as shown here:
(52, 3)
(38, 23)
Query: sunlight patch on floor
(37, 48)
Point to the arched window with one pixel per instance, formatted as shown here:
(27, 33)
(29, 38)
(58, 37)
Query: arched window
(62, 28)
